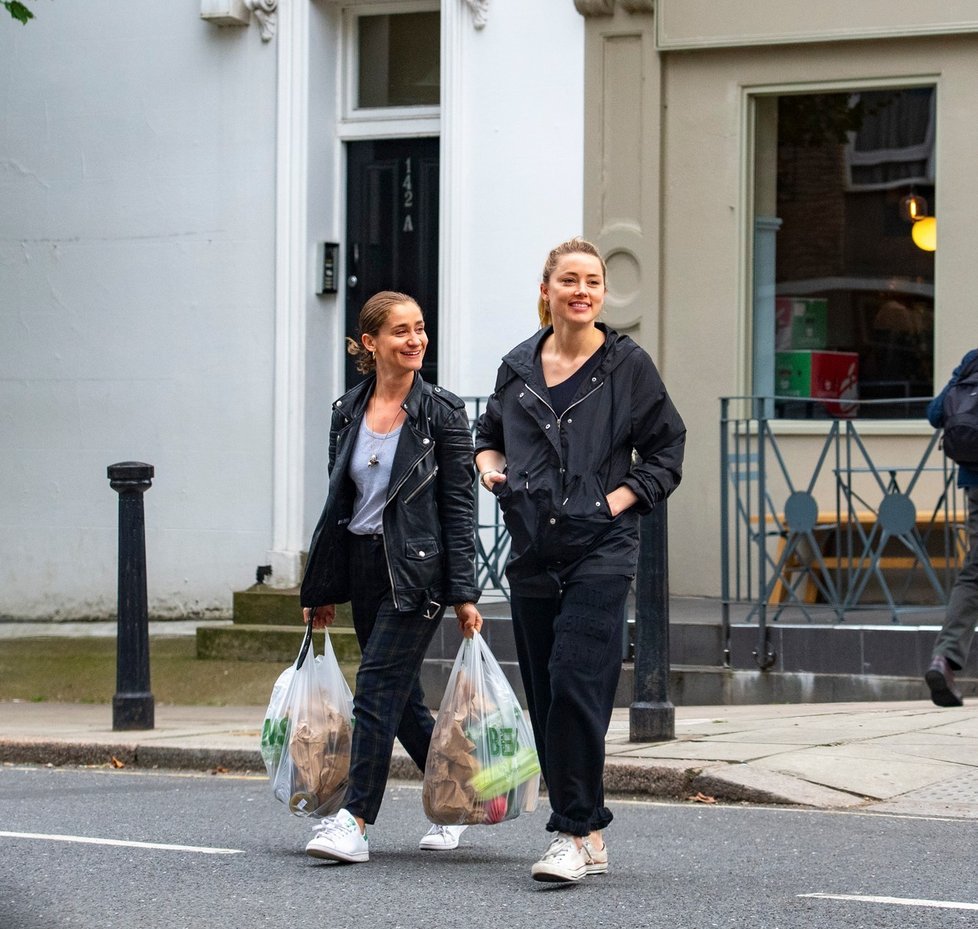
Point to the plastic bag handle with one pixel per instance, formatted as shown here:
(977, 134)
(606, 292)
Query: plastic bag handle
(306, 642)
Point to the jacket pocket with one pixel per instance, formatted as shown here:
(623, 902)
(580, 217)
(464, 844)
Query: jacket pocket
(422, 566)
(586, 500)
(421, 550)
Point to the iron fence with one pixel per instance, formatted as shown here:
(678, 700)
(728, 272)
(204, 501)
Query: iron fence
(826, 525)
(491, 537)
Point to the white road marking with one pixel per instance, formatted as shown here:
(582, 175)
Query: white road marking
(897, 901)
(88, 840)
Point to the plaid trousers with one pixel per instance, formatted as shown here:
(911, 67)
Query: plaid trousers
(388, 700)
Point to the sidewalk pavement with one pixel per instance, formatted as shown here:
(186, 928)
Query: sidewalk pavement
(906, 757)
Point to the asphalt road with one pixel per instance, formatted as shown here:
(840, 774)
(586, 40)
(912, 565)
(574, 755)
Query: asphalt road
(219, 851)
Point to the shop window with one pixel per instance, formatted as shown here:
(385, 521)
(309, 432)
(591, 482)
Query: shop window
(844, 288)
(398, 60)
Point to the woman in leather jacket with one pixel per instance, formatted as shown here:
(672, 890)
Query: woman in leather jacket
(397, 539)
(579, 439)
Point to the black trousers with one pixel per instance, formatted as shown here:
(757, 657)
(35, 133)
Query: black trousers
(388, 700)
(569, 649)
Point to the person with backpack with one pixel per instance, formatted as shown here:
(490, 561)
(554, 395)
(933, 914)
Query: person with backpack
(955, 409)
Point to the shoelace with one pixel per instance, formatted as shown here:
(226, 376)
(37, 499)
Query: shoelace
(558, 848)
(331, 826)
(590, 852)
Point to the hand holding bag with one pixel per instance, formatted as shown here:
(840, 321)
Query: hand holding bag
(307, 732)
(482, 766)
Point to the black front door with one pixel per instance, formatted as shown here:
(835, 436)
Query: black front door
(392, 232)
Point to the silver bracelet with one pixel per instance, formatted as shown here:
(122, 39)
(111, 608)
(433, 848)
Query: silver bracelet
(484, 474)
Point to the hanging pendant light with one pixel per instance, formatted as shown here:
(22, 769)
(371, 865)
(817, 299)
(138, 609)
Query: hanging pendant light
(913, 207)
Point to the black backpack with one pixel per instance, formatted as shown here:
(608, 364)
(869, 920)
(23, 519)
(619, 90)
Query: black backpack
(960, 441)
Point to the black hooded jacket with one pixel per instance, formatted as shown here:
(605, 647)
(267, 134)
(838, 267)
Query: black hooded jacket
(620, 428)
(429, 530)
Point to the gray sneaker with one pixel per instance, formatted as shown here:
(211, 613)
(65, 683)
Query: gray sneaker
(563, 861)
(338, 838)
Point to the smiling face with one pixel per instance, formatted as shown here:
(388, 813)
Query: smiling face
(399, 345)
(575, 289)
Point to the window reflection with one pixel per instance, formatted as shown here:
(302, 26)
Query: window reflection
(398, 60)
(854, 296)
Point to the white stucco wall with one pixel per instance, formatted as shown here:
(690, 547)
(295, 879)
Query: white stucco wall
(138, 274)
(524, 130)
(136, 300)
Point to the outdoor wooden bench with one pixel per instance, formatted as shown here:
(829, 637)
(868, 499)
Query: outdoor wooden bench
(831, 527)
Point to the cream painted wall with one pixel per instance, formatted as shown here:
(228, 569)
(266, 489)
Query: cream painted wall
(704, 253)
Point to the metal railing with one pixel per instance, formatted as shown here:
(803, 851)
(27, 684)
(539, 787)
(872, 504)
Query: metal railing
(491, 537)
(827, 525)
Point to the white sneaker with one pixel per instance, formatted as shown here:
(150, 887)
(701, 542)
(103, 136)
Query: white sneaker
(338, 838)
(562, 861)
(596, 858)
(441, 838)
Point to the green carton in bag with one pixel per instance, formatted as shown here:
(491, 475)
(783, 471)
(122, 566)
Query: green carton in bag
(482, 767)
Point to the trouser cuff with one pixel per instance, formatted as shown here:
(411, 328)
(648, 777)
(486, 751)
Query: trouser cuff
(600, 820)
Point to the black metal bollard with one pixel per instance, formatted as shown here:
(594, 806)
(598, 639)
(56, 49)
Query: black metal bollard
(652, 717)
(132, 705)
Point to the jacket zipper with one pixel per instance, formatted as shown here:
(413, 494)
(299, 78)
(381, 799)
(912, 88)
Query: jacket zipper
(390, 496)
(571, 407)
(578, 402)
(560, 418)
(421, 486)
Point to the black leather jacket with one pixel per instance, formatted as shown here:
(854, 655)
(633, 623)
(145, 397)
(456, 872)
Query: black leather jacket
(620, 428)
(429, 529)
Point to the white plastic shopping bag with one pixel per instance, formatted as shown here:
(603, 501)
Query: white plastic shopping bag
(307, 733)
(482, 765)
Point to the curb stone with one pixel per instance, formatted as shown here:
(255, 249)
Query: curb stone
(666, 780)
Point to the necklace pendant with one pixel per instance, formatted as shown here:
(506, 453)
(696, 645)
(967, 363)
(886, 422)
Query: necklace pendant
(373, 460)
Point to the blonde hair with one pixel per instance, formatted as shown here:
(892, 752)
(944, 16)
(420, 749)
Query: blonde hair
(575, 246)
(372, 318)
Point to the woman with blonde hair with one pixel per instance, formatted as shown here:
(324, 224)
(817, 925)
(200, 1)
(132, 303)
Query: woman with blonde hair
(579, 439)
(397, 539)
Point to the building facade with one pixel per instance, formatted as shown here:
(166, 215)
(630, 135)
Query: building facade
(766, 179)
(197, 197)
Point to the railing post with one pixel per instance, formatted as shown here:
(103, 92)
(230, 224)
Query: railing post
(652, 717)
(132, 705)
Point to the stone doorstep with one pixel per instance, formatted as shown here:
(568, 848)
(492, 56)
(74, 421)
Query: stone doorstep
(261, 604)
(814, 663)
(272, 643)
(709, 686)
